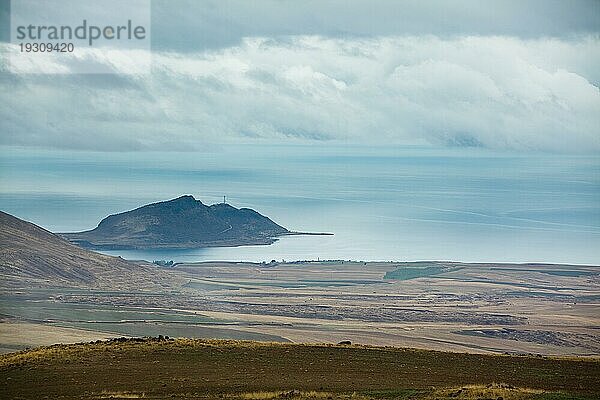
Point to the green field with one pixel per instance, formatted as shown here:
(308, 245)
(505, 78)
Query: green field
(129, 321)
(46, 310)
(185, 369)
(406, 273)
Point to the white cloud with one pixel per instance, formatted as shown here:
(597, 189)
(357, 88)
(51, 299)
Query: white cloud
(497, 92)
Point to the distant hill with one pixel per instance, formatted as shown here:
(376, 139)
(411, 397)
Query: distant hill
(30, 255)
(183, 222)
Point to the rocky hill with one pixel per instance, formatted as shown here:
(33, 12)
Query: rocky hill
(32, 256)
(183, 222)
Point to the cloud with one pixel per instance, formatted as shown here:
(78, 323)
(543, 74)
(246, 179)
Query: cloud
(490, 91)
(188, 25)
(191, 25)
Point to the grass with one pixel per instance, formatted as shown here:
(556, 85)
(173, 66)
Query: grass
(471, 392)
(406, 273)
(186, 368)
(69, 312)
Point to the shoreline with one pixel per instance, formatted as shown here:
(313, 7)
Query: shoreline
(183, 246)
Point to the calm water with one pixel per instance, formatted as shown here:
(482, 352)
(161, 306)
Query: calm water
(402, 203)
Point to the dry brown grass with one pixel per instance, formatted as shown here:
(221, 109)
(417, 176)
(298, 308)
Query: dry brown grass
(290, 394)
(492, 391)
(120, 395)
(468, 392)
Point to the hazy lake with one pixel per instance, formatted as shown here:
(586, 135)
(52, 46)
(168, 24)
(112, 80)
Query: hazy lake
(382, 203)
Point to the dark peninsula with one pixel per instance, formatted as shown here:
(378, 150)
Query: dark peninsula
(183, 222)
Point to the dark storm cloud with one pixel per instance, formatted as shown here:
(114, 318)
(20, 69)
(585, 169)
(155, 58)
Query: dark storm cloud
(187, 25)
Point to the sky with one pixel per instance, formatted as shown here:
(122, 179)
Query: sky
(509, 75)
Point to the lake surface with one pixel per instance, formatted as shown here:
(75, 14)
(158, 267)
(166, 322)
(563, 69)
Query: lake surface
(382, 203)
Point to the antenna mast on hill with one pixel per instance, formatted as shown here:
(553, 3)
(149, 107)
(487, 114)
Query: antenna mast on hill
(224, 202)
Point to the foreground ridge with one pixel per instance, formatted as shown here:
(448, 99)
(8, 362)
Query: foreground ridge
(198, 368)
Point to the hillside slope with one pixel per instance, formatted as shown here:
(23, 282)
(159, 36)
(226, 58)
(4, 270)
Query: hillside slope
(30, 254)
(180, 223)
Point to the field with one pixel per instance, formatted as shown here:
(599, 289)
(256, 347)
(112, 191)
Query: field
(476, 308)
(184, 369)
